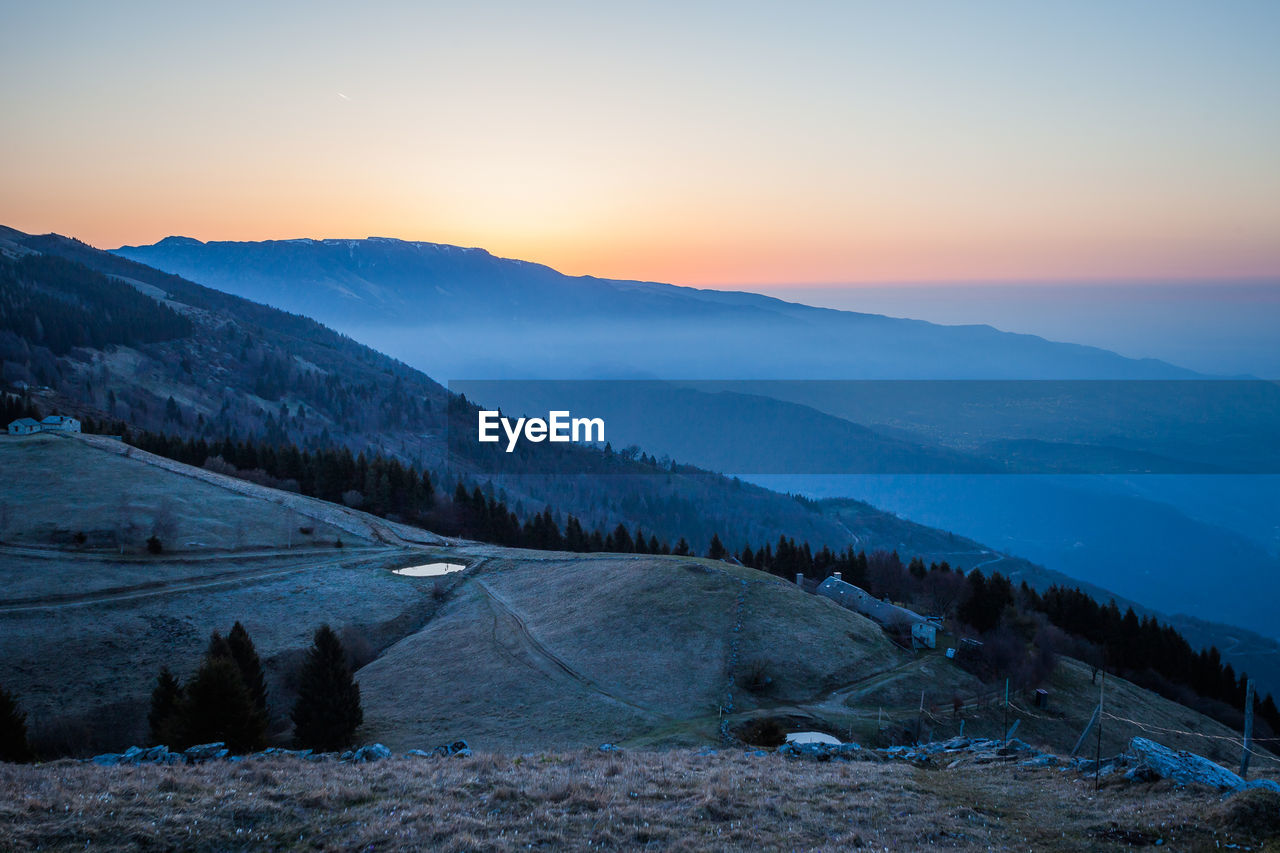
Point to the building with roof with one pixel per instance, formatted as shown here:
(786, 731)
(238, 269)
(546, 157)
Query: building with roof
(59, 423)
(53, 423)
(924, 631)
(24, 426)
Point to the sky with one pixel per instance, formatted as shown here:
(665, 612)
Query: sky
(735, 143)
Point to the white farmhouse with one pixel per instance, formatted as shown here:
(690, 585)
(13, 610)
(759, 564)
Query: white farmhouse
(924, 631)
(24, 426)
(60, 423)
(924, 635)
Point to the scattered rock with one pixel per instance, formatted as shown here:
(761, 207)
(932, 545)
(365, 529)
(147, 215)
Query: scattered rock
(820, 751)
(206, 752)
(458, 748)
(1045, 760)
(608, 747)
(1182, 767)
(373, 752)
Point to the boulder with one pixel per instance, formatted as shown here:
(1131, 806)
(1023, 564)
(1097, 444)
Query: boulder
(206, 752)
(820, 751)
(457, 748)
(372, 752)
(1182, 767)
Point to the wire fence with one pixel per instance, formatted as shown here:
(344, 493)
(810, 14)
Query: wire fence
(991, 699)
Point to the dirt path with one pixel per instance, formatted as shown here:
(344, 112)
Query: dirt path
(155, 588)
(115, 558)
(504, 610)
(352, 521)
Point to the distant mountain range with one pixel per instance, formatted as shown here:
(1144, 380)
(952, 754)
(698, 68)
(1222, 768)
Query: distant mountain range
(464, 313)
(270, 374)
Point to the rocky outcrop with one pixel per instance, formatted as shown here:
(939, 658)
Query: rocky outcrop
(1156, 761)
(206, 752)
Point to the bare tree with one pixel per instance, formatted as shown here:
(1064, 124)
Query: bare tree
(164, 523)
(124, 528)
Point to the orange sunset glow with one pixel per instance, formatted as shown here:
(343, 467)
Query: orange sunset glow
(718, 145)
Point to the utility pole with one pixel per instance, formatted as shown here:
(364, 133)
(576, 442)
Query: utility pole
(1248, 729)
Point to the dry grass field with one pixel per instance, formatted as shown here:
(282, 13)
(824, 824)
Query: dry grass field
(541, 651)
(527, 651)
(58, 486)
(84, 629)
(590, 800)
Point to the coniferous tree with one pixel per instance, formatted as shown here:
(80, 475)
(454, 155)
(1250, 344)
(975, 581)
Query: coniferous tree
(717, 550)
(166, 705)
(327, 713)
(13, 731)
(217, 705)
(246, 658)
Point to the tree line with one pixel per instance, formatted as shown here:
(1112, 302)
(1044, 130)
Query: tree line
(225, 700)
(1014, 622)
(60, 305)
(1146, 651)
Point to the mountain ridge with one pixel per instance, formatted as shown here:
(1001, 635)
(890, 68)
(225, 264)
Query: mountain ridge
(398, 284)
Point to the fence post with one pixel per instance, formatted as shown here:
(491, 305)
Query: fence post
(1087, 728)
(1004, 726)
(1097, 756)
(1248, 729)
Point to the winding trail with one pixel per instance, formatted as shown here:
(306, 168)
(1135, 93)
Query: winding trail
(151, 589)
(502, 608)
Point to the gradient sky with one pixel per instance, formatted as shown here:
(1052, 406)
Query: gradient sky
(698, 143)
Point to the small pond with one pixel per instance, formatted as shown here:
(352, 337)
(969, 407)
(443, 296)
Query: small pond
(811, 737)
(431, 570)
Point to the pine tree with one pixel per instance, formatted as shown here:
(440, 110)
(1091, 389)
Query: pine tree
(166, 703)
(328, 711)
(717, 550)
(218, 705)
(246, 658)
(13, 731)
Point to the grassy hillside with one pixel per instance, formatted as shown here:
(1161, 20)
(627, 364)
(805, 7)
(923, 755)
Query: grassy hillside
(257, 372)
(525, 650)
(605, 647)
(85, 628)
(590, 800)
(58, 487)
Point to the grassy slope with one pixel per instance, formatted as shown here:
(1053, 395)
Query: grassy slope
(671, 801)
(691, 506)
(83, 631)
(56, 486)
(605, 648)
(531, 650)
